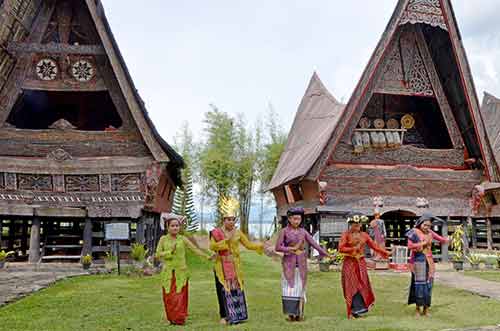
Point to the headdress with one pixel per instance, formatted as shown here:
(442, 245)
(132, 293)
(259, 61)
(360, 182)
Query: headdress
(167, 217)
(357, 218)
(427, 216)
(229, 207)
(295, 211)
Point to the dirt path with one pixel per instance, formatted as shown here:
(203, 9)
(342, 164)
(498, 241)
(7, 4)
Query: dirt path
(475, 285)
(20, 280)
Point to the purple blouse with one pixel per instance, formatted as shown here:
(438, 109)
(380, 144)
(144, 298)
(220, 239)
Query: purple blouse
(290, 237)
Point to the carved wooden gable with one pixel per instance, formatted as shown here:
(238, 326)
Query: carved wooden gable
(404, 68)
(415, 102)
(56, 68)
(424, 11)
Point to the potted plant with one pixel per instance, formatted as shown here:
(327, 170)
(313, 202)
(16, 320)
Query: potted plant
(86, 261)
(110, 262)
(3, 257)
(457, 246)
(148, 267)
(489, 262)
(474, 260)
(138, 255)
(324, 263)
(338, 260)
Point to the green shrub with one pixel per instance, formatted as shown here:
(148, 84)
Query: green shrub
(138, 252)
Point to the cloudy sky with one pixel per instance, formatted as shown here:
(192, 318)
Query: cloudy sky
(243, 55)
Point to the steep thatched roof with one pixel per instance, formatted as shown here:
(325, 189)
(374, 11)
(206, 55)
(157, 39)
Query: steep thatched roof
(316, 118)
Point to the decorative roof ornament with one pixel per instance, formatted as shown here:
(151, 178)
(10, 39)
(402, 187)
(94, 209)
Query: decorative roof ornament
(407, 122)
(393, 124)
(378, 202)
(82, 71)
(422, 203)
(424, 11)
(46, 69)
(365, 123)
(59, 155)
(62, 124)
(379, 123)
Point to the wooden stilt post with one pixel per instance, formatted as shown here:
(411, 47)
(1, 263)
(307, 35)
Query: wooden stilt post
(444, 247)
(489, 233)
(474, 232)
(34, 253)
(466, 238)
(87, 237)
(139, 234)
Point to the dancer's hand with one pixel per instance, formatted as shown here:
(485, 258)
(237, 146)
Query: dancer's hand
(298, 252)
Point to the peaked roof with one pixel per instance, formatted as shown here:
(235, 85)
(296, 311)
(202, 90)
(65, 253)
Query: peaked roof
(20, 20)
(490, 112)
(436, 14)
(160, 149)
(316, 117)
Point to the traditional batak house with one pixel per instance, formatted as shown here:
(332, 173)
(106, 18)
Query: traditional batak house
(77, 147)
(411, 138)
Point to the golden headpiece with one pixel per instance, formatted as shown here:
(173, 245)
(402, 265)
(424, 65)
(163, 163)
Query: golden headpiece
(229, 207)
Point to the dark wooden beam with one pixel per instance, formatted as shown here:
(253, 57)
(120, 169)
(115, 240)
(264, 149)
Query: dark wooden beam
(21, 47)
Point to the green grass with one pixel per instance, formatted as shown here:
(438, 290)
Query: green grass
(493, 275)
(121, 303)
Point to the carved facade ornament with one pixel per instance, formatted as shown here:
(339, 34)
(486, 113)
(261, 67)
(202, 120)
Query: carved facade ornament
(58, 181)
(82, 183)
(407, 122)
(379, 123)
(422, 203)
(62, 124)
(10, 181)
(59, 155)
(31, 182)
(365, 123)
(323, 195)
(105, 183)
(82, 71)
(404, 71)
(378, 202)
(126, 182)
(424, 11)
(46, 69)
(392, 124)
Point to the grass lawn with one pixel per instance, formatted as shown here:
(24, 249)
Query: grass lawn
(121, 303)
(493, 275)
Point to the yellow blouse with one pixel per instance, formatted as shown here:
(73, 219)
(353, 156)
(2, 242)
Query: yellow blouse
(233, 245)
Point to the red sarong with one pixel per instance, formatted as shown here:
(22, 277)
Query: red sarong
(355, 279)
(176, 304)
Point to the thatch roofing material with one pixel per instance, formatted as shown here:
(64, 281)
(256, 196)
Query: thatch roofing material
(316, 118)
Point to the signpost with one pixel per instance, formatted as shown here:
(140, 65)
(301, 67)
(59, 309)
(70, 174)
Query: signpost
(115, 232)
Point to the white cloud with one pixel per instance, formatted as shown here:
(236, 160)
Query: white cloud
(241, 54)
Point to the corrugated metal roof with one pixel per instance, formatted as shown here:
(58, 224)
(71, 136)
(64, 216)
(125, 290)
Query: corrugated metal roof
(316, 118)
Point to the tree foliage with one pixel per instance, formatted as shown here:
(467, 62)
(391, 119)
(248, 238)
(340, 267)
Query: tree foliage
(184, 199)
(217, 161)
